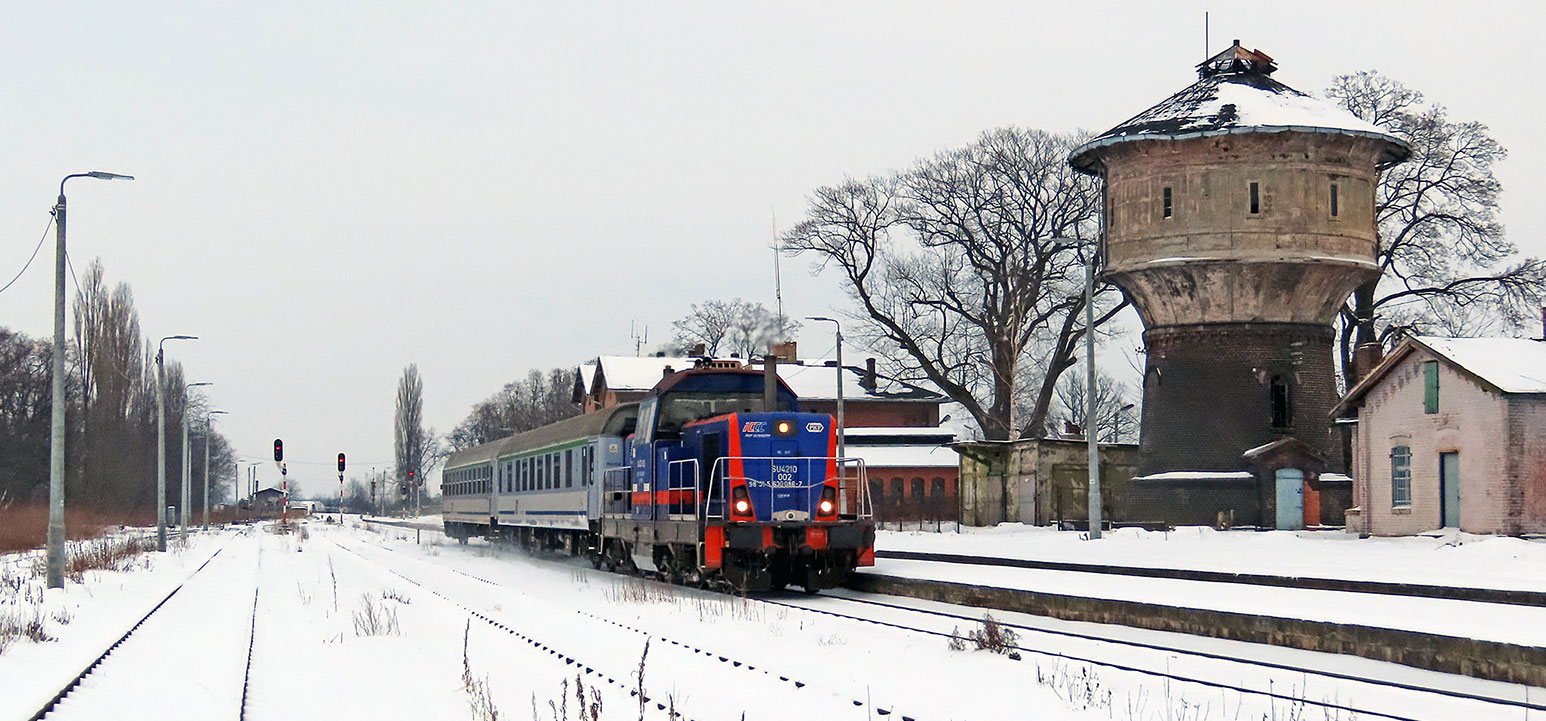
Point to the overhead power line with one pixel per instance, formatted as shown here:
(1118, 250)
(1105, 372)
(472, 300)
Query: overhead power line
(34, 255)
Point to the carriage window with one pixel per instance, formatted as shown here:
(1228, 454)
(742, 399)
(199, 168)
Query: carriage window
(569, 468)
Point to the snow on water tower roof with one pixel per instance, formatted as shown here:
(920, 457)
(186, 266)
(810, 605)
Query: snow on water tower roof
(1235, 94)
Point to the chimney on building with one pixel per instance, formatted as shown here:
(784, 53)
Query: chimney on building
(699, 350)
(1365, 358)
(666, 372)
(785, 352)
(871, 379)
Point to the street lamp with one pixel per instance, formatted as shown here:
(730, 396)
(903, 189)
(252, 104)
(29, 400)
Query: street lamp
(209, 433)
(187, 490)
(840, 446)
(55, 540)
(1089, 379)
(161, 438)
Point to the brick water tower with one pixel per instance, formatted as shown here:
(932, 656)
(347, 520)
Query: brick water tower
(1239, 218)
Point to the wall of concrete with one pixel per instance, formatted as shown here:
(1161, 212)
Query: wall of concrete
(1040, 481)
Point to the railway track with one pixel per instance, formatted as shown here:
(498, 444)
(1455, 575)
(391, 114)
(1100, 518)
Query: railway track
(1051, 642)
(1388, 588)
(704, 658)
(137, 675)
(1050, 639)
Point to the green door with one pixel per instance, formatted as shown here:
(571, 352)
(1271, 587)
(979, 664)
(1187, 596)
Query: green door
(1449, 489)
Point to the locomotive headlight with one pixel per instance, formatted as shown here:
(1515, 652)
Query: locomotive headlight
(783, 428)
(828, 504)
(742, 506)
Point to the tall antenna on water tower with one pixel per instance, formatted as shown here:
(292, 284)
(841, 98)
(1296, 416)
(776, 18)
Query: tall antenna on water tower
(1206, 46)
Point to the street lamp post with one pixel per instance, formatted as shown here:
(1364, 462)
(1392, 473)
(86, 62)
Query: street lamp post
(187, 487)
(161, 438)
(840, 426)
(1094, 502)
(209, 433)
(55, 540)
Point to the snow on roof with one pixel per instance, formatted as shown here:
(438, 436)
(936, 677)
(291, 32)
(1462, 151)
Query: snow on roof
(587, 376)
(1198, 476)
(908, 456)
(1235, 95)
(1513, 365)
(870, 431)
(631, 373)
(1336, 478)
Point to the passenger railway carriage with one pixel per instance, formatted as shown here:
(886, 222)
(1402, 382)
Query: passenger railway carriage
(697, 483)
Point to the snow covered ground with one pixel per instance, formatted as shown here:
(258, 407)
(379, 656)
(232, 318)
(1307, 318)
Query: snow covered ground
(533, 628)
(1450, 559)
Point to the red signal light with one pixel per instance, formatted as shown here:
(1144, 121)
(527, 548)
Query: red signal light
(340, 463)
(279, 450)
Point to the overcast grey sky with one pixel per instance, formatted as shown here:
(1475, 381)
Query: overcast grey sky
(329, 191)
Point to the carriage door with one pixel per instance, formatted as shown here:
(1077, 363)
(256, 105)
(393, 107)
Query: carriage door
(1449, 489)
(1290, 487)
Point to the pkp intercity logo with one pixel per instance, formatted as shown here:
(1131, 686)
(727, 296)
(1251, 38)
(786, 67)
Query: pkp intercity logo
(814, 427)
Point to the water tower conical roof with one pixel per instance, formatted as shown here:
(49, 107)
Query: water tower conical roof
(1235, 94)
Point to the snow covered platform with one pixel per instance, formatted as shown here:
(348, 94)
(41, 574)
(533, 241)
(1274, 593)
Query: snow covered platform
(1490, 640)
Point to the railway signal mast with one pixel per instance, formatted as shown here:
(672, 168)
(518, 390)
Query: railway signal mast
(340, 488)
(284, 483)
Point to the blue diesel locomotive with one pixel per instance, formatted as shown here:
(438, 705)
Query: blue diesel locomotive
(701, 482)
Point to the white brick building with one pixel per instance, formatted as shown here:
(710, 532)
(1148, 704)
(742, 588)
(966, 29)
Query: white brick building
(1450, 433)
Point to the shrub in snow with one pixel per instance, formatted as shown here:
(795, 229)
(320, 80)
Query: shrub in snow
(374, 620)
(995, 637)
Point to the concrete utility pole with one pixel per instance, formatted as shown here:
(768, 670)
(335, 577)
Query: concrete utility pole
(1089, 393)
(55, 541)
(209, 433)
(840, 426)
(184, 507)
(161, 438)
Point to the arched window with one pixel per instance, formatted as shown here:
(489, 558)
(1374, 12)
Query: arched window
(918, 488)
(937, 489)
(1282, 410)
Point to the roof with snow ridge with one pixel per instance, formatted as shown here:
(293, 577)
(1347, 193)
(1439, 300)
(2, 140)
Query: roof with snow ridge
(1235, 94)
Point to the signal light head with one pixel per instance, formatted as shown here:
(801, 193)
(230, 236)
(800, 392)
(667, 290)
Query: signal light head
(340, 463)
(279, 450)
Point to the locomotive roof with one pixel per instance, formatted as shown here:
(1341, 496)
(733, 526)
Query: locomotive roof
(584, 425)
(1234, 94)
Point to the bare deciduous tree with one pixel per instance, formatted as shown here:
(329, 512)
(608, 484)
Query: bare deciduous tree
(1447, 264)
(1116, 417)
(735, 326)
(961, 266)
(532, 402)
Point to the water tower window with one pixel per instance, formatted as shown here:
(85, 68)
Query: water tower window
(1334, 207)
(1282, 412)
(1255, 198)
(1167, 205)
